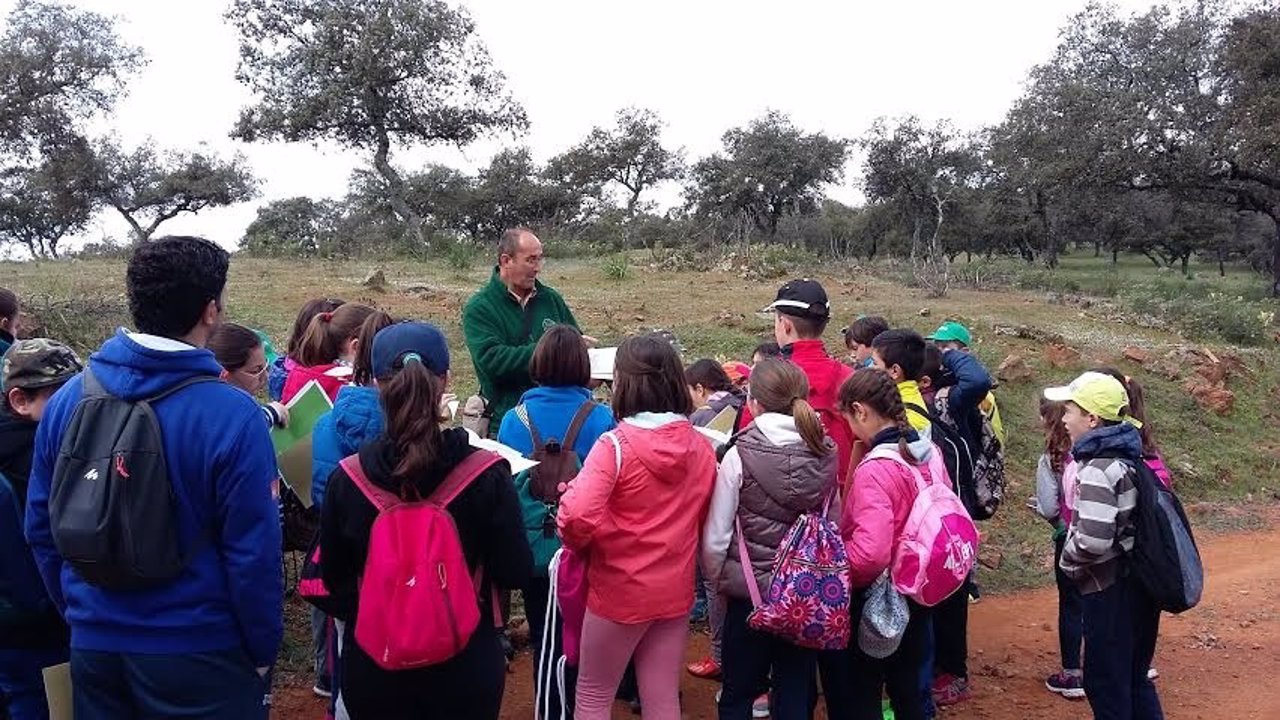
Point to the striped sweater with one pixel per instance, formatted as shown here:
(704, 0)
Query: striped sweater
(1102, 528)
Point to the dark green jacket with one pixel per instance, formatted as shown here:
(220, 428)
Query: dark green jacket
(493, 324)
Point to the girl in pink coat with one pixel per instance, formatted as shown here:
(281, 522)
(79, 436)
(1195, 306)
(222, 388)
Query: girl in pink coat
(635, 513)
(875, 514)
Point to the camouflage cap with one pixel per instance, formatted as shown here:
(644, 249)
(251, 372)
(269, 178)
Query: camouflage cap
(37, 363)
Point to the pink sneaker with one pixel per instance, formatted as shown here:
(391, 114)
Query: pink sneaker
(951, 690)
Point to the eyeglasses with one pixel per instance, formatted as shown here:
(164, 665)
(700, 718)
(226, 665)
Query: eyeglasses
(255, 374)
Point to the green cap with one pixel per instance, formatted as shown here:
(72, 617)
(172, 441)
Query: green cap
(37, 363)
(952, 331)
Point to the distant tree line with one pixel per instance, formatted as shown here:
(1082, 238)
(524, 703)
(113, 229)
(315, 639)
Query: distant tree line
(1155, 133)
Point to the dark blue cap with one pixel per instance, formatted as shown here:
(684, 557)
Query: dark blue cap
(397, 344)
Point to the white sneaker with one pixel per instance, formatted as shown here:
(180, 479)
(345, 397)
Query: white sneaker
(1152, 673)
(760, 708)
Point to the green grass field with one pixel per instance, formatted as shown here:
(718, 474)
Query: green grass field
(1224, 465)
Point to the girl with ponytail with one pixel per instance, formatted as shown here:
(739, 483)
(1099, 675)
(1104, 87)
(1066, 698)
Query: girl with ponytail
(410, 364)
(875, 515)
(780, 467)
(327, 351)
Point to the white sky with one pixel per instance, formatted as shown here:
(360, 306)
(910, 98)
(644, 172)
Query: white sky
(704, 65)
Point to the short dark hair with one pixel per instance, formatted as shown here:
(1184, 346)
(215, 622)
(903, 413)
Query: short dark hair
(709, 374)
(649, 378)
(864, 330)
(904, 348)
(560, 358)
(808, 328)
(8, 304)
(932, 366)
(231, 345)
(171, 281)
(767, 350)
(29, 393)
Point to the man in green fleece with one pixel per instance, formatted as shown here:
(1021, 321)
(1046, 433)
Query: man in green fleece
(506, 318)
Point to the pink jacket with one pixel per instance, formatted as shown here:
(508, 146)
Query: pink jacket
(638, 526)
(876, 511)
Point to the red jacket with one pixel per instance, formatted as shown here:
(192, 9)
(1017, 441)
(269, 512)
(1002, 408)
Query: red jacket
(639, 527)
(825, 375)
(330, 377)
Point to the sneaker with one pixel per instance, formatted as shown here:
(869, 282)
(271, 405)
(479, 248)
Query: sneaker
(1152, 673)
(323, 687)
(706, 668)
(951, 690)
(1069, 686)
(760, 708)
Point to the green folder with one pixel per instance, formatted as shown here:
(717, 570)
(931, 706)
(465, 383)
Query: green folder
(307, 407)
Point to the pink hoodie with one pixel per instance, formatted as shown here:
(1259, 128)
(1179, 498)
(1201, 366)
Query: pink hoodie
(639, 526)
(876, 511)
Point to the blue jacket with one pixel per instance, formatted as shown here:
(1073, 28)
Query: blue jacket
(972, 383)
(550, 410)
(277, 374)
(356, 419)
(223, 471)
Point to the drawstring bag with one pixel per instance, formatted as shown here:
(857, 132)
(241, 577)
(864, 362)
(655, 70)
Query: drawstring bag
(808, 602)
(884, 619)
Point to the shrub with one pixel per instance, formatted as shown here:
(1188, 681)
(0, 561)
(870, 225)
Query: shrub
(462, 255)
(616, 267)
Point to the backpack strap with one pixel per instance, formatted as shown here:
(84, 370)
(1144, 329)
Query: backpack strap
(882, 452)
(575, 425)
(462, 475)
(93, 387)
(522, 412)
(748, 574)
(379, 498)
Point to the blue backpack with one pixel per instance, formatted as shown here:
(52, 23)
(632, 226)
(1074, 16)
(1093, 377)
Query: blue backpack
(541, 486)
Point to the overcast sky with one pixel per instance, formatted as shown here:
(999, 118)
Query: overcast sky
(703, 65)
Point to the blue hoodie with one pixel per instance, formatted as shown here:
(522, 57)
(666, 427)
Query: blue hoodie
(355, 420)
(222, 468)
(551, 409)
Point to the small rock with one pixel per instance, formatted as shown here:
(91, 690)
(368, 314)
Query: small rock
(1137, 354)
(1013, 369)
(377, 280)
(1210, 396)
(1061, 356)
(1046, 627)
(925, 312)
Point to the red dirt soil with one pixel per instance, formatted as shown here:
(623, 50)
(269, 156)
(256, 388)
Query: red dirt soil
(1215, 662)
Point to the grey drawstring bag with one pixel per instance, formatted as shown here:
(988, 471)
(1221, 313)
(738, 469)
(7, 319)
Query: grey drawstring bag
(884, 619)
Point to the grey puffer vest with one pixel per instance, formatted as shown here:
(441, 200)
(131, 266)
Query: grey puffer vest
(779, 484)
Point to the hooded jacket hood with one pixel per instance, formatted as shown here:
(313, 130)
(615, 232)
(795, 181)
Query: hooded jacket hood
(17, 441)
(357, 416)
(1121, 441)
(665, 445)
(132, 366)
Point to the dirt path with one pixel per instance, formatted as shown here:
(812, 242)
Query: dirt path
(1216, 662)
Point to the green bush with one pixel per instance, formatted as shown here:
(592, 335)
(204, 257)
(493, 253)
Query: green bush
(462, 256)
(616, 267)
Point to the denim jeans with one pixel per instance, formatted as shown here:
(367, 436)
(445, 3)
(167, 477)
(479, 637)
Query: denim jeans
(755, 661)
(1120, 630)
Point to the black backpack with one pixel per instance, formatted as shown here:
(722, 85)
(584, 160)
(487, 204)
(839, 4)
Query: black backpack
(1164, 559)
(957, 458)
(111, 505)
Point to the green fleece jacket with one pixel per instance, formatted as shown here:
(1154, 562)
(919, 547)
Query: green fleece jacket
(493, 323)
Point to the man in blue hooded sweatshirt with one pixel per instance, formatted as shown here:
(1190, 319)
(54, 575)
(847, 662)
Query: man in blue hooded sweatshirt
(201, 644)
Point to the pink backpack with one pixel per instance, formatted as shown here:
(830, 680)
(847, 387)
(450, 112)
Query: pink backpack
(808, 602)
(418, 600)
(939, 544)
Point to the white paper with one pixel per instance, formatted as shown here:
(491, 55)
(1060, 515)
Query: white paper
(602, 360)
(519, 463)
(453, 409)
(717, 438)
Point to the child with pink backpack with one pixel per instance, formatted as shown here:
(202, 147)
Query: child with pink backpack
(418, 532)
(903, 522)
(775, 486)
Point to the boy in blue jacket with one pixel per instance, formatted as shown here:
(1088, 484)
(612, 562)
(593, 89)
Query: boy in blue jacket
(32, 633)
(968, 384)
(200, 645)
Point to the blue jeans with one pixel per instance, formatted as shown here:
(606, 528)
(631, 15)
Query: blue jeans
(217, 685)
(1120, 630)
(754, 662)
(22, 682)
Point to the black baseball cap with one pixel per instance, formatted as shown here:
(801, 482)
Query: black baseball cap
(803, 298)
